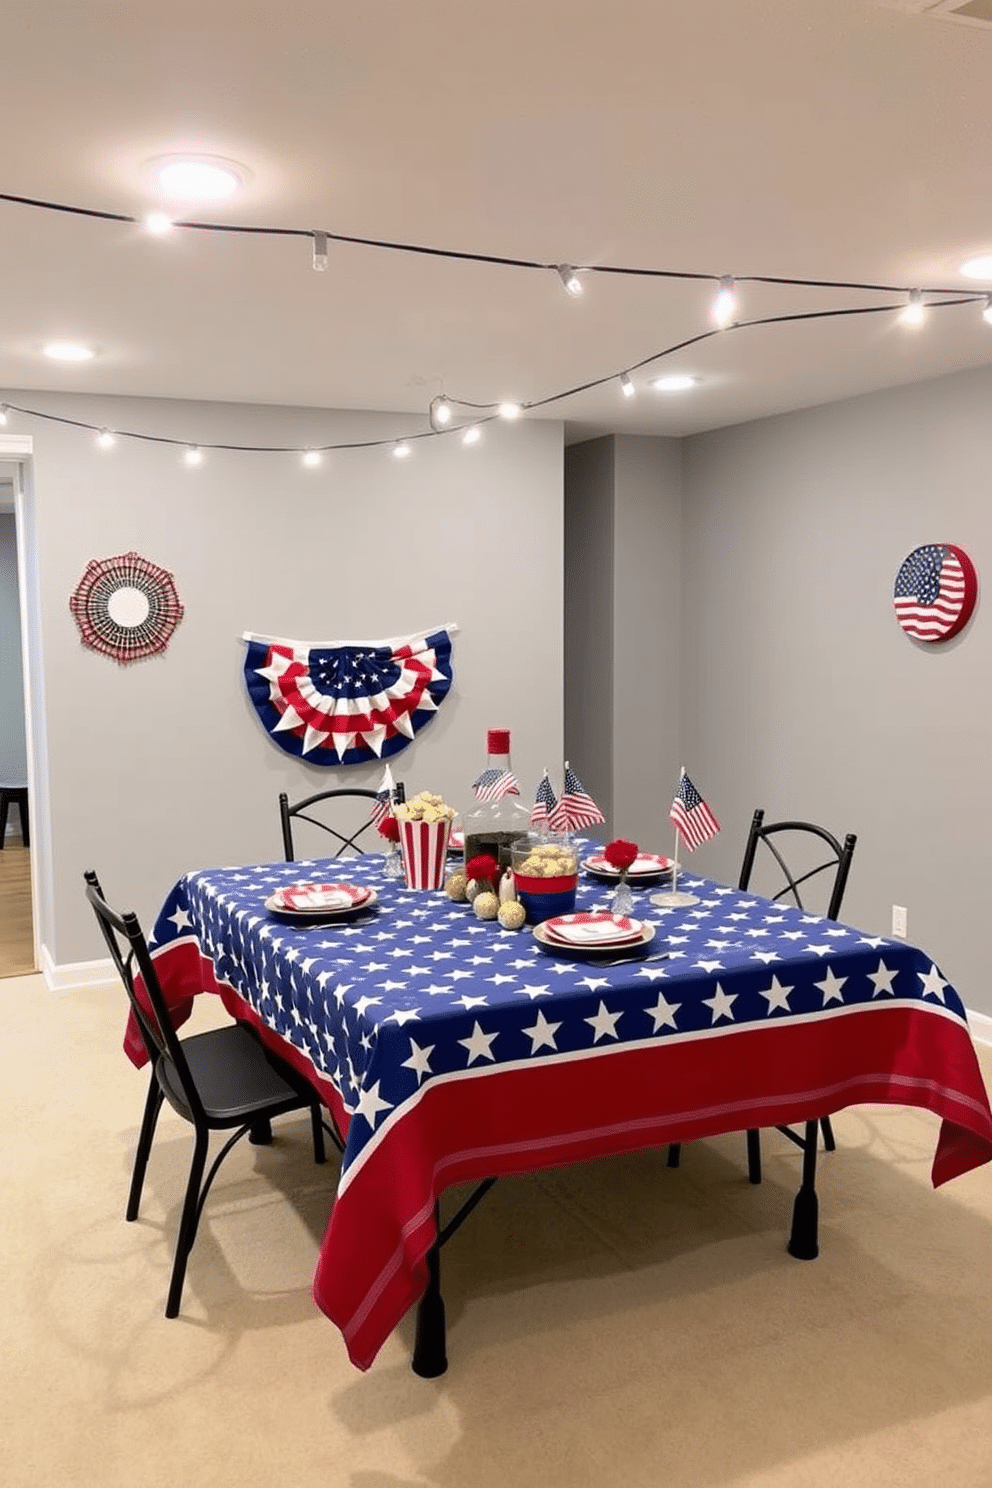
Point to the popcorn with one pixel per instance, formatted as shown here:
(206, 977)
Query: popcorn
(425, 807)
(548, 861)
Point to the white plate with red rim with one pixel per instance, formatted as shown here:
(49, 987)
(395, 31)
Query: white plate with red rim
(550, 943)
(645, 865)
(593, 929)
(325, 898)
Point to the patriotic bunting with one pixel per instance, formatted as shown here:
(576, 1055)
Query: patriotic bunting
(347, 703)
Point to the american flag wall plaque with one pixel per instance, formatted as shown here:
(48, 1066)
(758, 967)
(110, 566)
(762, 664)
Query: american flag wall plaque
(935, 592)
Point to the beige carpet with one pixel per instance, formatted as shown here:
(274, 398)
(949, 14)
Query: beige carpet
(615, 1323)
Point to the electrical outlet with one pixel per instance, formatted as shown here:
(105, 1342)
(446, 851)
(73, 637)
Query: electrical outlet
(899, 918)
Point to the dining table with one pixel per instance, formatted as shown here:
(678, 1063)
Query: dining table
(448, 1049)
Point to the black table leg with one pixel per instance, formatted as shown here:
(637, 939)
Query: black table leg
(430, 1356)
(803, 1242)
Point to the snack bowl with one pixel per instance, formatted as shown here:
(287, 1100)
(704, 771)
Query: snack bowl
(546, 875)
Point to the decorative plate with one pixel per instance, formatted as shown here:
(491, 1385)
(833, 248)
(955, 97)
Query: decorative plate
(645, 865)
(592, 929)
(935, 592)
(579, 952)
(126, 607)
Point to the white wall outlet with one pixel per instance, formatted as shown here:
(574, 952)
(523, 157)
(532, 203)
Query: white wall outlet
(899, 918)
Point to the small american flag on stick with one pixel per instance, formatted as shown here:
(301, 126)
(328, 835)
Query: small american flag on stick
(576, 807)
(694, 821)
(383, 804)
(544, 803)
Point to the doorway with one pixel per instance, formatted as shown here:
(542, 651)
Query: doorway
(16, 917)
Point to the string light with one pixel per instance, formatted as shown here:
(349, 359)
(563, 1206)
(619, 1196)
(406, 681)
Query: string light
(3, 414)
(472, 434)
(725, 304)
(570, 279)
(194, 455)
(915, 311)
(509, 410)
(312, 457)
(320, 252)
(401, 450)
(158, 223)
(441, 411)
(105, 440)
(626, 385)
(987, 312)
(675, 382)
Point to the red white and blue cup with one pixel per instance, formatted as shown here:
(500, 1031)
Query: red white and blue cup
(424, 847)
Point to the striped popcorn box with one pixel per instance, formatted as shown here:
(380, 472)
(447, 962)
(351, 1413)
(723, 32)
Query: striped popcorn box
(424, 846)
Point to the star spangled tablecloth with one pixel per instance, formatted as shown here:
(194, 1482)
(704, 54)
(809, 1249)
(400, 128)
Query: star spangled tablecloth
(449, 1049)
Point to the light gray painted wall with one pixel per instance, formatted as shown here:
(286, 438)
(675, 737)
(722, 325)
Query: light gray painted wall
(589, 620)
(623, 592)
(801, 693)
(647, 638)
(13, 750)
(161, 766)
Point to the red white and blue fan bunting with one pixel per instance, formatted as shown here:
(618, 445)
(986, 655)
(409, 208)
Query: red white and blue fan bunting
(935, 592)
(346, 703)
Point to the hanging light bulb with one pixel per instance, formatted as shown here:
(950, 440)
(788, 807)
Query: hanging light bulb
(725, 304)
(915, 312)
(570, 279)
(320, 252)
(193, 456)
(105, 439)
(509, 410)
(158, 223)
(442, 411)
(4, 414)
(626, 385)
(472, 434)
(401, 450)
(987, 312)
(312, 457)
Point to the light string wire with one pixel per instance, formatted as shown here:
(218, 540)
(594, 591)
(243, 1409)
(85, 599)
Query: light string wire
(482, 413)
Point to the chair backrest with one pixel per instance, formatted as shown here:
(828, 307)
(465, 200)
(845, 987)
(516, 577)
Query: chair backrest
(798, 836)
(129, 953)
(345, 838)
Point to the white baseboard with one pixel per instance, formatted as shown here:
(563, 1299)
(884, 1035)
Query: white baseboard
(74, 974)
(981, 1027)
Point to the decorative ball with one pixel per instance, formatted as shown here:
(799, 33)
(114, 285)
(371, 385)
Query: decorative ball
(454, 886)
(472, 887)
(486, 905)
(511, 915)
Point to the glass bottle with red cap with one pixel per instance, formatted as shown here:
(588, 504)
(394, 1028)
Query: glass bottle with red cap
(499, 817)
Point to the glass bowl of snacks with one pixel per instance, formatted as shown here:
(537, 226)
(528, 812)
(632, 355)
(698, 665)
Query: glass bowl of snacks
(546, 873)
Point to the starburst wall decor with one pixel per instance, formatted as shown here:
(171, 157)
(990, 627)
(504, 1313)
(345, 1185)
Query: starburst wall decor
(126, 607)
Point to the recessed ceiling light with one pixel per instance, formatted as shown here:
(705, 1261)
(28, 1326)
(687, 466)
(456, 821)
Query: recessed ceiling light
(977, 268)
(197, 178)
(676, 382)
(68, 351)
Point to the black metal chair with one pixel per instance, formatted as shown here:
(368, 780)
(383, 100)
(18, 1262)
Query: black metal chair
(346, 839)
(801, 835)
(220, 1080)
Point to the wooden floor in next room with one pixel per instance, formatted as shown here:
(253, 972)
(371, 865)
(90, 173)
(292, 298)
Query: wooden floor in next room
(16, 938)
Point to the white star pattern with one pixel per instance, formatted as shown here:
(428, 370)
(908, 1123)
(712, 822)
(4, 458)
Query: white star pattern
(480, 1044)
(933, 984)
(883, 979)
(777, 996)
(542, 1034)
(831, 987)
(721, 1004)
(420, 1060)
(604, 1025)
(663, 1013)
(370, 1104)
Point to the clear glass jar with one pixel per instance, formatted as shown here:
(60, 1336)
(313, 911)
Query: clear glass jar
(494, 826)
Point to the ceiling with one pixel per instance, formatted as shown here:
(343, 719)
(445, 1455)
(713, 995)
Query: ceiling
(814, 139)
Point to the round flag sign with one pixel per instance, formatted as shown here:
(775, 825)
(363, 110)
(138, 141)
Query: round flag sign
(935, 592)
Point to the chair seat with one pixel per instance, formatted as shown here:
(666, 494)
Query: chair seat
(234, 1077)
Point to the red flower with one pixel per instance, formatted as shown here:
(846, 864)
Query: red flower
(389, 828)
(621, 853)
(481, 867)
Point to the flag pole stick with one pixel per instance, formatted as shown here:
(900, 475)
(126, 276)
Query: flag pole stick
(673, 898)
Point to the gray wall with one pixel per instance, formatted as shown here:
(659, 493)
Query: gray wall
(623, 501)
(800, 692)
(162, 766)
(13, 750)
